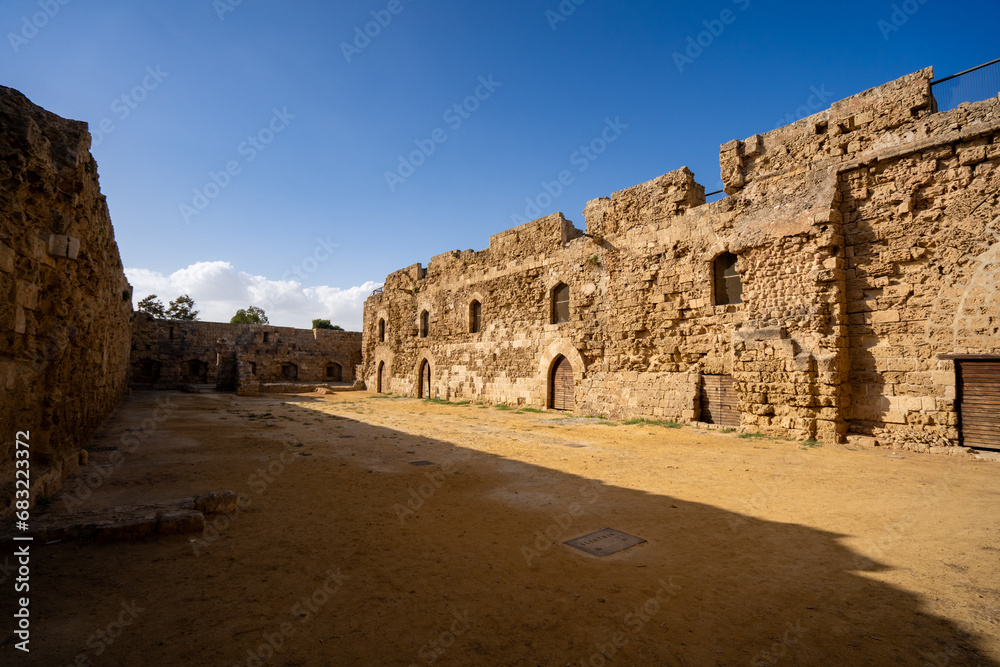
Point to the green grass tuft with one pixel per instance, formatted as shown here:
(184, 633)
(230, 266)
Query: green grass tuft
(534, 410)
(751, 435)
(665, 423)
(502, 406)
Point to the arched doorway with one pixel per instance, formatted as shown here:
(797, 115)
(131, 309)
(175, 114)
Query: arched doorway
(561, 385)
(424, 390)
(194, 371)
(334, 372)
(378, 377)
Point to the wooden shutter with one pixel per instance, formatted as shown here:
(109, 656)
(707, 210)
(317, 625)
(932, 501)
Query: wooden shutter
(728, 288)
(718, 400)
(561, 385)
(979, 403)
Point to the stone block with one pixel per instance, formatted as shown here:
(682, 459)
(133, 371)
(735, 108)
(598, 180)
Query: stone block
(67, 247)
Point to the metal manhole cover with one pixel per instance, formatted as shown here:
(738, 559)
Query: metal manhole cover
(605, 542)
(421, 463)
(102, 449)
(566, 444)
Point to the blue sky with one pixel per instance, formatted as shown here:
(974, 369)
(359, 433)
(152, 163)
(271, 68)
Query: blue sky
(299, 119)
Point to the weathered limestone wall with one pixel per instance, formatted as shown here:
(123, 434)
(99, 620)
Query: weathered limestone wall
(237, 356)
(867, 245)
(65, 306)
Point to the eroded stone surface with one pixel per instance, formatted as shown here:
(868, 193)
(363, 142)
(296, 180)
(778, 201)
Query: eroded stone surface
(868, 244)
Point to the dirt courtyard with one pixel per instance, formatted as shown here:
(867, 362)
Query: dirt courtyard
(757, 551)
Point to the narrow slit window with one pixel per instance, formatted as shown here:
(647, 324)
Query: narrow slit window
(425, 324)
(560, 304)
(475, 317)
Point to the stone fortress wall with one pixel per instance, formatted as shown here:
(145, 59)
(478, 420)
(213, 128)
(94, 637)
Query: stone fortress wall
(866, 241)
(247, 358)
(65, 305)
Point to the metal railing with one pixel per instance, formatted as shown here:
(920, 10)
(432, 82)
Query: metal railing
(972, 85)
(377, 290)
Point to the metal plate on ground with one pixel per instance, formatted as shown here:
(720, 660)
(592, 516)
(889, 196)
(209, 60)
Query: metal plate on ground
(566, 444)
(101, 449)
(605, 542)
(421, 463)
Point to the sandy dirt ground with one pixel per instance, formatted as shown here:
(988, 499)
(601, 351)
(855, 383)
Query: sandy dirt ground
(757, 551)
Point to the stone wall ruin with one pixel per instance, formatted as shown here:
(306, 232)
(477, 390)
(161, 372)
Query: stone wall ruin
(65, 306)
(867, 247)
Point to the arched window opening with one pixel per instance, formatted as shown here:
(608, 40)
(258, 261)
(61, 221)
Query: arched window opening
(475, 317)
(425, 324)
(560, 304)
(381, 330)
(728, 287)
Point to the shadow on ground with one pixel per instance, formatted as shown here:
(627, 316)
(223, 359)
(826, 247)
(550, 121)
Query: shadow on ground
(349, 555)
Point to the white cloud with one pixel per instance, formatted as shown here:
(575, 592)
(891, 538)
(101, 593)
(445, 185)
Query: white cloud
(219, 290)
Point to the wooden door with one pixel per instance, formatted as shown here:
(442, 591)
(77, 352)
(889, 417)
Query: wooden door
(979, 403)
(718, 400)
(561, 385)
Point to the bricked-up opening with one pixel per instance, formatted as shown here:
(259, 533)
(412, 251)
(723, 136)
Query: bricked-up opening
(561, 385)
(728, 288)
(718, 400)
(425, 324)
(379, 376)
(424, 389)
(475, 317)
(381, 330)
(334, 372)
(979, 403)
(560, 304)
(290, 371)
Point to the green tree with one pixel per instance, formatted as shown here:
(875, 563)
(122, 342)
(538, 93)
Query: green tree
(153, 306)
(252, 315)
(325, 324)
(182, 308)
